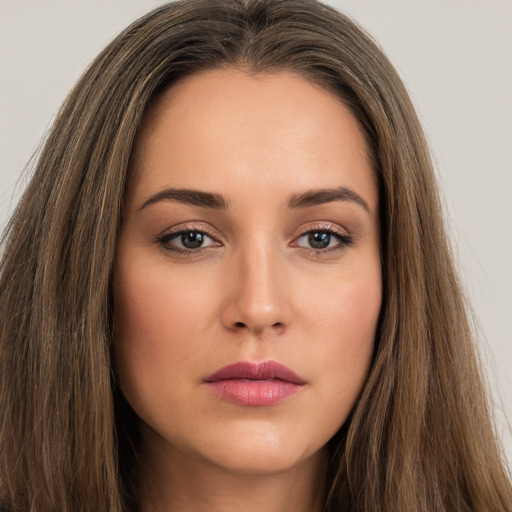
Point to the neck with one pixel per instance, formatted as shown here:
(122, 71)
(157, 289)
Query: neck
(174, 482)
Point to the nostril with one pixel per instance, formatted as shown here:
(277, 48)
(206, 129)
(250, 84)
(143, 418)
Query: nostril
(240, 324)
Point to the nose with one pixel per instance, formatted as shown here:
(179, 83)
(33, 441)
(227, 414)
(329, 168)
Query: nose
(258, 298)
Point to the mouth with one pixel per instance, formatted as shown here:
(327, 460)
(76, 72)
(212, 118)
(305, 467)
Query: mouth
(255, 384)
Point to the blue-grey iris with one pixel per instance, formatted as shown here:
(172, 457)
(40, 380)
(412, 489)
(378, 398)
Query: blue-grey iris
(192, 239)
(319, 239)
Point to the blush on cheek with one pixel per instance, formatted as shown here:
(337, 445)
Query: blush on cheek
(350, 317)
(159, 316)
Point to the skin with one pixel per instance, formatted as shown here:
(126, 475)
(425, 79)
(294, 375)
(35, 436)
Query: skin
(256, 289)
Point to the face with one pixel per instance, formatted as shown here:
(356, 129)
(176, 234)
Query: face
(247, 279)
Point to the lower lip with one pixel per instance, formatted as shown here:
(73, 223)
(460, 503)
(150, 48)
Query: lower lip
(253, 392)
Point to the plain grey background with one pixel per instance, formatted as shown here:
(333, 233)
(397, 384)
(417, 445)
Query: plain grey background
(455, 57)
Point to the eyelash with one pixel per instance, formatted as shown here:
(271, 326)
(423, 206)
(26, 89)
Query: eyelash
(344, 239)
(164, 240)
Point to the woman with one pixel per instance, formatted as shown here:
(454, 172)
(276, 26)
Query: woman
(228, 286)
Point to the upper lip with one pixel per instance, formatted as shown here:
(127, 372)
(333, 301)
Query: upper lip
(264, 370)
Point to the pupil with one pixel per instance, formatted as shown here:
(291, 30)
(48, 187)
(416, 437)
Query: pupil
(319, 240)
(192, 239)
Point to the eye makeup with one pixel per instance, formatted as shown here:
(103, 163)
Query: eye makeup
(188, 239)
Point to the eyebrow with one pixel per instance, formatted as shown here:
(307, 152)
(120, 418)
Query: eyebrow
(188, 196)
(321, 196)
(217, 202)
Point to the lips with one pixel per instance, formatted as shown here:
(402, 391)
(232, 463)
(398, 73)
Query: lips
(254, 384)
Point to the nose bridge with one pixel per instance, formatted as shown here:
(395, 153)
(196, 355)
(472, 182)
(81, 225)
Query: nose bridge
(257, 299)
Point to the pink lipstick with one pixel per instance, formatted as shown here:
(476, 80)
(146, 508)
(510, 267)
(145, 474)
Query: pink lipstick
(254, 384)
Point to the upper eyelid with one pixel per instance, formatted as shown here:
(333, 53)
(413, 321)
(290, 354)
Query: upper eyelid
(331, 227)
(340, 234)
(184, 227)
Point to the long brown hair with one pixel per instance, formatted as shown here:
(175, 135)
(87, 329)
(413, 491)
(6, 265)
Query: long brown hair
(420, 437)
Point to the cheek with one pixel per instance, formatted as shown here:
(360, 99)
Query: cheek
(155, 298)
(345, 307)
(343, 324)
(159, 322)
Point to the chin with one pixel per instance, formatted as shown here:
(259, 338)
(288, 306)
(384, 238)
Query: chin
(259, 452)
(256, 461)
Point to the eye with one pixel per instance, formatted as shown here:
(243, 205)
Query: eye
(324, 240)
(186, 241)
(317, 239)
(192, 239)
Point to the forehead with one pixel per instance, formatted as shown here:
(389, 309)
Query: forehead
(226, 126)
